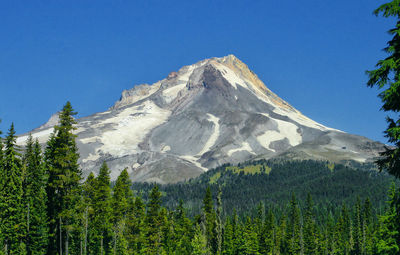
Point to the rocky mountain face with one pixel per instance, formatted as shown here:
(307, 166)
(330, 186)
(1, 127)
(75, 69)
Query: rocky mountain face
(213, 112)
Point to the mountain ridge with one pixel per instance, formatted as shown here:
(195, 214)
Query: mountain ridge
(213, 112)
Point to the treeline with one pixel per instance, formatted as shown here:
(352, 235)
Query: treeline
(273, 181)
(46, 208)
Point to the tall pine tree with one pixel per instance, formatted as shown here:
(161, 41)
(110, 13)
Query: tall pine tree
(13, 224)
(64, 175)
(122, 195)
(153, 222)
(35, 198)
(102, 210)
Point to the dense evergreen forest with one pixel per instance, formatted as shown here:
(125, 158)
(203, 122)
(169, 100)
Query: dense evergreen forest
(261, 207)
(273, 182)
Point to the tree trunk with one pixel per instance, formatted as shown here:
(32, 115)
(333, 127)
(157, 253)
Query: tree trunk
(101, 246)
(60, 237)
(66, 241)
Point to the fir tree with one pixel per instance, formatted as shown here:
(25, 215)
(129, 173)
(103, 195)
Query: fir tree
(153, 222)
(345, 232)
(64, 175)
(136, 226)
(218, 223)
(387, 77)
(357, 229)
(13, 224)
(294, 230)
(183, 230)
(102, 210)
(228, 240)
(199, 242)
(35, 198)
(388, 235)
(122, 195)
(89, 232)
(310, 228)
(249, 242)
(210, 219)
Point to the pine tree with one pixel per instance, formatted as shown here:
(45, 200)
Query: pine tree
(183, 230)
(228, 240)
(218, 223)
(310, 228)
(345, 232)
(136, 226)
(294, 230)
(153, 222)
(64, 175)
(89, 232)
(210, 219)
(267, 239)
(387, 77)
(357, 229)
(281, 244)
(249, 244)
(122, 195)
(13, 224)
(35, 198)
(199, 242)
(102, 210)
(367, 228)
(388, 234)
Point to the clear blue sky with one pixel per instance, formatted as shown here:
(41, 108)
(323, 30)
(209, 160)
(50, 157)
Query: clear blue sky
(313, 54)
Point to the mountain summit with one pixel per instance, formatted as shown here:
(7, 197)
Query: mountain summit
(213, 112)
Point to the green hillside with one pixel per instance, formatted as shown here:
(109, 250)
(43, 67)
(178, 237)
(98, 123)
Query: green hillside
(273, 182)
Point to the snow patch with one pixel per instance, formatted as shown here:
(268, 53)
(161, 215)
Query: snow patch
(185, 77)
(89, 140)
(193, 160)
(91, 157)
(244, 147)
(230, 76)
(171, 93)
(303, 120)
(43, 136)
(285, 130)
(214, 136)
(133, 126)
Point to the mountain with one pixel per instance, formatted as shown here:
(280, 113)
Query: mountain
(204, 115)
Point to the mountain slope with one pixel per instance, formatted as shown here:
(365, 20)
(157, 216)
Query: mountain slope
(210, 113)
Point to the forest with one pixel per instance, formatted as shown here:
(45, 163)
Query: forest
(47, 208)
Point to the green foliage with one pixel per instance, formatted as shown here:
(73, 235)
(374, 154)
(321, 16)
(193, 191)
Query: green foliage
(154, 222)
(199, 242)
(210, 220)
(122, 198)
(250, 169)
(102, 211)
(12, 217)
(35, 199)
(388, 233)
(387, 78)
(241, 191)
(64, 175)
(310, 228)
